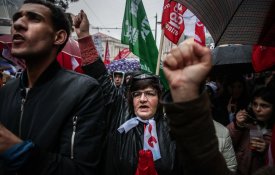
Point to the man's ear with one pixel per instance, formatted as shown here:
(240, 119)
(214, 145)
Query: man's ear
(60, 37)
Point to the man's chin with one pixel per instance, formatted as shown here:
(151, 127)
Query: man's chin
(19, 55)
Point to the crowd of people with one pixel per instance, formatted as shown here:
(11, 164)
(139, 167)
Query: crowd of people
(57, 121)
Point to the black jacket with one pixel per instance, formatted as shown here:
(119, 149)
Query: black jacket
(122, 149)
(58, 98)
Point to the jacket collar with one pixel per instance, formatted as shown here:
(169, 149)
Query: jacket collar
(49, 73)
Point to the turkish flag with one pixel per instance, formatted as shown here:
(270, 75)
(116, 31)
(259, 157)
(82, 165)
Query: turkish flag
(172, 20)
(69, 62)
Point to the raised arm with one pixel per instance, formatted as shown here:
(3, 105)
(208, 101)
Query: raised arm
(92, 64)
(94, 67)
(186, 68)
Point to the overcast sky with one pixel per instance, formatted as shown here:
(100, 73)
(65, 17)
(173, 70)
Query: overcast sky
(109, 14)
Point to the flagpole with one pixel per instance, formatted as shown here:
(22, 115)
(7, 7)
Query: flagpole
(160, 51)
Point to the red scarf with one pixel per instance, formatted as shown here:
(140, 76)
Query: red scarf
(146, 163)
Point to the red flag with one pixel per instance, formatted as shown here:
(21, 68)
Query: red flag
(69, 62)
(263, 57)
(172, 20)
(118, 57)
(199, 33)
(107, 55)
(123, 54)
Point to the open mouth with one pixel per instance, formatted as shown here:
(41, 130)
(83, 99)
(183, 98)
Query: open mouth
(143, 107)
(18, 38)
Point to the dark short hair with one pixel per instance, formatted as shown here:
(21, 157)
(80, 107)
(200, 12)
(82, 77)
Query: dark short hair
(118, 73)
(268, 95)
(58, 17)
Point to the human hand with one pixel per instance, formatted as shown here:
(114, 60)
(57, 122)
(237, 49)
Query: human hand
(186, 68)
(241, 117)
(7, 139)
(258, 144)
(81, 24)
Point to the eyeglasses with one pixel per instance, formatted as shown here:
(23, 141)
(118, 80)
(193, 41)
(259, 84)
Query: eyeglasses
(147, 94)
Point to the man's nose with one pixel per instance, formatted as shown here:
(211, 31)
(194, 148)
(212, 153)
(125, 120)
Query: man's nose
(19, 24)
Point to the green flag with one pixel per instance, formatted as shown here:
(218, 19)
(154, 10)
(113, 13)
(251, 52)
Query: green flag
(136, 33)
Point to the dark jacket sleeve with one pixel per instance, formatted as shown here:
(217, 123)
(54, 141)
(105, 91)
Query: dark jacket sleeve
(82, 154)
(192, 126)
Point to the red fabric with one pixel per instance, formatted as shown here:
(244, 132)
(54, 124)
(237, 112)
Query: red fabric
(146, 164)
(72, 48)
(172, 20)
(107, 55)
(65, 61)
(118, 57)
(88, 50)
(263, 57)
(199, 33)
(122, 54)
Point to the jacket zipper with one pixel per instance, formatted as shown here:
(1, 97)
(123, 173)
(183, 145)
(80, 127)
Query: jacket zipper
(23, 101)
(73, 136)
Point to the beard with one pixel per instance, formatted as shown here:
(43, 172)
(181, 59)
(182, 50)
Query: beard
(30, 54)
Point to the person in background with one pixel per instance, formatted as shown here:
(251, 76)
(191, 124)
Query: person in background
(118, 78)
(136, 122)
(251, 131)
(188, 109)
(51, 119)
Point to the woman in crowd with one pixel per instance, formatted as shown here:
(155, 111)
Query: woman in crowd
(134, 124)
(251, 131)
